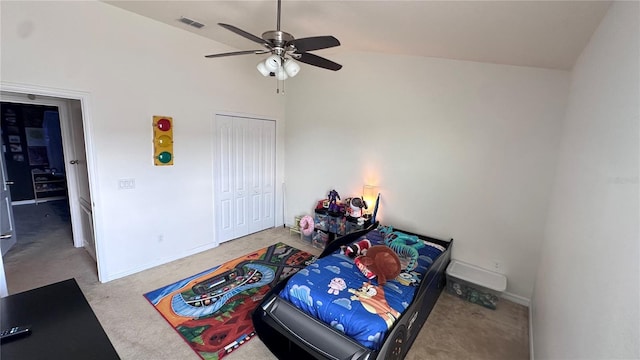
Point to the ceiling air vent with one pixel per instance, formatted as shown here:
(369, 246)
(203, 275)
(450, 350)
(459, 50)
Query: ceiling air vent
(191, 22)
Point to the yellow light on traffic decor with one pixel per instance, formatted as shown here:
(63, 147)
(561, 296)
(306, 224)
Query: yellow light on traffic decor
(162, 140)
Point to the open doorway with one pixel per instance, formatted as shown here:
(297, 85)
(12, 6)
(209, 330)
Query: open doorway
(46, 172)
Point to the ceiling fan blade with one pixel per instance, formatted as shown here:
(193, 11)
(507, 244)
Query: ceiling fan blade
(314, 43)
(318, 61)
(238, 53)
(245, 34)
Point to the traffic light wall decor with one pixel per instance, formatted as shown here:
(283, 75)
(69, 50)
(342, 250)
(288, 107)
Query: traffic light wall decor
(162, 140)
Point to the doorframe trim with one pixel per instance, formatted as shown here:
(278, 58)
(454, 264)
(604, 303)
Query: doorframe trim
(85, 105)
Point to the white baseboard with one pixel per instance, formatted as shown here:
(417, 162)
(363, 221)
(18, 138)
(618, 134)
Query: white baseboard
(166, 260)
(531, 333)
(516, 299)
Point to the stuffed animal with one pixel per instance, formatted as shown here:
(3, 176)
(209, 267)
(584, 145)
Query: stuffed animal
(381, 262)
(404, 245)
(357, 249)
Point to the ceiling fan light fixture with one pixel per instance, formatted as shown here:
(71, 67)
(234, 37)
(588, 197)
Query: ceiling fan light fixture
(291, 67)
(273, 63)
(281, 74)
(262, 69)
(283, 48)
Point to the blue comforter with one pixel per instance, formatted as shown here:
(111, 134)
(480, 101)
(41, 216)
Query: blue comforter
(334, 291)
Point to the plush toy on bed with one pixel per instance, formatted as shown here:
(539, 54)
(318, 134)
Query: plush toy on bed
(357, 249)
(406, 246)
(381, 262)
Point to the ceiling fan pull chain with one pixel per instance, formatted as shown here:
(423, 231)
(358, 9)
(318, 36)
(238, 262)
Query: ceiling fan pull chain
(278, 89)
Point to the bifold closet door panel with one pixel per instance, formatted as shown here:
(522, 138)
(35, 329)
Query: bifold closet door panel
(224, 201)
(262, 176)
(268, 173)
(243, 142)
(255, 179)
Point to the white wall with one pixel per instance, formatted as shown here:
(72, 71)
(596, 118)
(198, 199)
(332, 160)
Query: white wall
(586, 296)
(134, 68)
(459, 149)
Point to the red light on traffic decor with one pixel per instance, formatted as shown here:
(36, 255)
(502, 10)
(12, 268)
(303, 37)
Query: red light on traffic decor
(164, 124)
(162, 140)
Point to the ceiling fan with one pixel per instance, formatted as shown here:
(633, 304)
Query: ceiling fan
(284, 49)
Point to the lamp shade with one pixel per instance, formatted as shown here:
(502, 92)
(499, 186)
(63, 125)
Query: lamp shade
(273, 63)
(369, 194)
(262, 69)
(291, 67)
(281, 74)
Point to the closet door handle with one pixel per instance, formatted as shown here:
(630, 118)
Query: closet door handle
(73, 162)
(6, 236)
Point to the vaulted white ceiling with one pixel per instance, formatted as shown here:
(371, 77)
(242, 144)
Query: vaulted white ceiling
(547, 34)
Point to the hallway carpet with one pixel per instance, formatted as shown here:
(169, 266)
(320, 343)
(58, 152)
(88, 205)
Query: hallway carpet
(44, 252)
(455, 329)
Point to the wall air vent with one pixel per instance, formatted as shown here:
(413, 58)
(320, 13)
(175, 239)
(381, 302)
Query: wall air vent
(191, 22)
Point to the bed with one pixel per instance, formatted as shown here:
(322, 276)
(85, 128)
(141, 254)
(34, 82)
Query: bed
(330, 310)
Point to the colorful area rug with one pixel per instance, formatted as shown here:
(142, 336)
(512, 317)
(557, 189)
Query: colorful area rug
(212, 310)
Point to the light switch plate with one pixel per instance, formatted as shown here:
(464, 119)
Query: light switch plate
(124, 184)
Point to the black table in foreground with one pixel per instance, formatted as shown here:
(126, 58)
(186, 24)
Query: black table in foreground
(63, 326)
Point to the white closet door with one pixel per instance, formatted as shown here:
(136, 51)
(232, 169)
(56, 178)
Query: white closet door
(268, 173)
(256, 180)
(262, 184)
(242, 168)
(224, 179)
(244, 176)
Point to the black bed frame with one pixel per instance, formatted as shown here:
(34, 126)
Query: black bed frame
(291, 334)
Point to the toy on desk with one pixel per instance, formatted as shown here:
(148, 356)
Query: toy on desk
(354, 206)
(333, 201)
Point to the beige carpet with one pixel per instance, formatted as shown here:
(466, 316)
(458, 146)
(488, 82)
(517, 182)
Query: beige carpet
(455, 329)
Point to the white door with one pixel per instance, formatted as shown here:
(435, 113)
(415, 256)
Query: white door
(82, 195)
(268, 171)
(223, 178)
(244, 167)
(261, 185)
(256, 177)
(8, 235)
(231, 195)
(241, 164)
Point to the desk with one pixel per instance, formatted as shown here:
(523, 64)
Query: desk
(63, 326)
